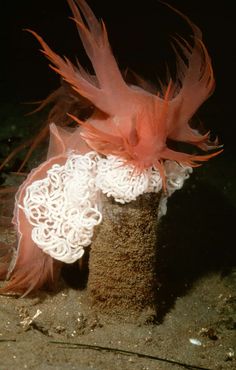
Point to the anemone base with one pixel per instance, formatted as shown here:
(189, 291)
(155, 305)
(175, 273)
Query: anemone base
(122, 278)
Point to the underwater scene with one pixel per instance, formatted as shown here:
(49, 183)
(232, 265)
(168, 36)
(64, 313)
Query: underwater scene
(117, 186)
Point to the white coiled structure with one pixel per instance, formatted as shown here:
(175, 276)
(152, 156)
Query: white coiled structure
(123, 182)
(63, 208)
(176, 175)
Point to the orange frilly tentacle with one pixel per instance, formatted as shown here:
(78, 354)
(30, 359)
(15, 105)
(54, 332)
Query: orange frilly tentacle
(32, 268)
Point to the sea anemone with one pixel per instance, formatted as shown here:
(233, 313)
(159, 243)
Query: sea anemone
(120, 150)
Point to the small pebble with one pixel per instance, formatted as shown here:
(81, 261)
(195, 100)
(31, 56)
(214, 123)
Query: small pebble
(195, 341)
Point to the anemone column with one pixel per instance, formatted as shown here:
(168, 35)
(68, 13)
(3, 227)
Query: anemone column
(122, 267)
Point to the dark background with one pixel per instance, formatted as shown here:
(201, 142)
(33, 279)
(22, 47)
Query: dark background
(139, 32)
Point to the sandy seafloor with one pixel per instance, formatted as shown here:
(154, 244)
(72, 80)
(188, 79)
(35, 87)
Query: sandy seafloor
(197, 298)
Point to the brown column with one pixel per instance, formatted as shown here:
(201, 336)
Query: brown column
(122, 266)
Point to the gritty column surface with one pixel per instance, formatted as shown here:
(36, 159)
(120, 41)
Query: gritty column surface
(122, 266)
